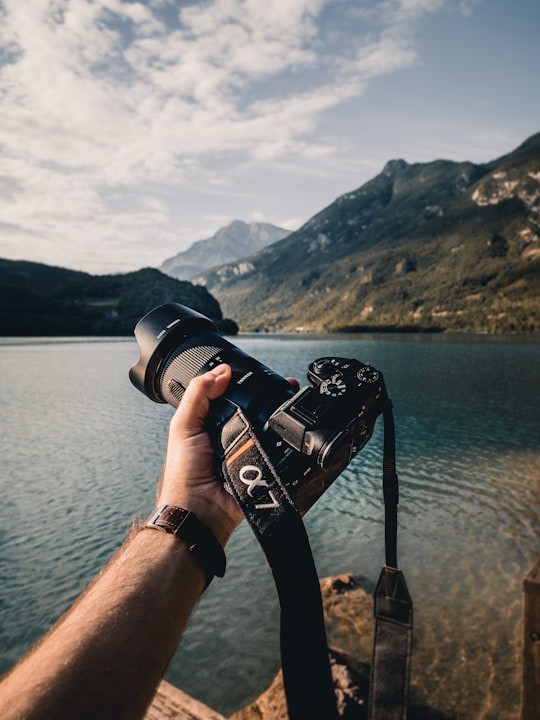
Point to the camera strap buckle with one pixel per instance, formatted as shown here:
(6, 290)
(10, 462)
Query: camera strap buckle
(390, 664)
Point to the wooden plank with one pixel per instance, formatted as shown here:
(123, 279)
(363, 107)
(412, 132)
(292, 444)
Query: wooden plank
(530, 688)
(170, 703)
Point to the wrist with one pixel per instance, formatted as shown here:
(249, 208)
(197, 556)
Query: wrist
(184, 525)
(217, 519)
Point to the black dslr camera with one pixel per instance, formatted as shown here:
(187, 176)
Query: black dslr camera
(309, 436)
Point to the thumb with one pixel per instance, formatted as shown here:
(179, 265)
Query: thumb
(193, 409)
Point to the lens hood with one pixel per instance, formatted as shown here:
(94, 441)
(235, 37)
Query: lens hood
(157, 333)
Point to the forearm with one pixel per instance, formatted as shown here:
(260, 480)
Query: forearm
(106, 656)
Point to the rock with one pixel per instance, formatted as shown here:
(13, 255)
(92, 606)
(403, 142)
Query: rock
(351, 693)
(349, 621)
(348, 612)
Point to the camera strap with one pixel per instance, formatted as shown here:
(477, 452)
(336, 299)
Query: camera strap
(250, 477)
(392, 644)
(309, 690)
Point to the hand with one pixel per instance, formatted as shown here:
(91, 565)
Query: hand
(189, 477)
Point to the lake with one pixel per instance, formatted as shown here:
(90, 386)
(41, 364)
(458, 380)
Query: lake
(81, 453)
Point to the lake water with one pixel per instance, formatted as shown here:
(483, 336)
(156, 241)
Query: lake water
(81, 451)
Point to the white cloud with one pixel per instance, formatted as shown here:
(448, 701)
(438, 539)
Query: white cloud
(291, 223)
(390, 53)
(101, 99)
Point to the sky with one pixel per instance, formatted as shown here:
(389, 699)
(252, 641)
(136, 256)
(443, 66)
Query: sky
(130, 130)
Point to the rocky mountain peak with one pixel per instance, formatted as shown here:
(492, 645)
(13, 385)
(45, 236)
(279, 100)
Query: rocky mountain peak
(393, 167)
(232, 242)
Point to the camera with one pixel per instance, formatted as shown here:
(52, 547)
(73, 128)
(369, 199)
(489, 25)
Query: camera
(310, 436)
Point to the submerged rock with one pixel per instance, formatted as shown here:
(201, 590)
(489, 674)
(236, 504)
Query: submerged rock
(348, 611)
(351, 694)
(349, 621)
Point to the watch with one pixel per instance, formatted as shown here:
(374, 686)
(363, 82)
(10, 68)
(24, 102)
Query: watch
(200, 540)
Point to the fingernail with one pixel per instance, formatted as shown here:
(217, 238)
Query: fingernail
(219, 370)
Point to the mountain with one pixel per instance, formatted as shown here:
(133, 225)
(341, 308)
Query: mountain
(230, 243)
(426, 246)
(44, 300)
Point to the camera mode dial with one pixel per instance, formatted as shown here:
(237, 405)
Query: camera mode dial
(334, 386)
(327, 374)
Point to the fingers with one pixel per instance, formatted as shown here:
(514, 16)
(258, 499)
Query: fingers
(192, 411)
(293, 382)
(189, 477)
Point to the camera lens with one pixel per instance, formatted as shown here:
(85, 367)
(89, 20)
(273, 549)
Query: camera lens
(177, 343)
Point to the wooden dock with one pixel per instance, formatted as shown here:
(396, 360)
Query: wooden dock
(530, 688)
(170, 703)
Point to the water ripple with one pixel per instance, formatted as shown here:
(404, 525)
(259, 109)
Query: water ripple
(82, 452)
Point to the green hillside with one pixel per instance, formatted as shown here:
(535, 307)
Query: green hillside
(439, 245)
(38, 299)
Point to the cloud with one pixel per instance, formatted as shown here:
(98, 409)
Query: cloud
(291, 223)
(113, 98)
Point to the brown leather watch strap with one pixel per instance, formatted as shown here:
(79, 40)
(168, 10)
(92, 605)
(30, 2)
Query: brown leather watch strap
(200, 540)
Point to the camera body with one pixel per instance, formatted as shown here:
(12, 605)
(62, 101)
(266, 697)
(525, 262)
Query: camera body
(309, 436)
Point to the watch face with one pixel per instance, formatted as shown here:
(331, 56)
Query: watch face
(168, 518)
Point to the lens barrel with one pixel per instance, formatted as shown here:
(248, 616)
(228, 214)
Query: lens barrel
(177, 343)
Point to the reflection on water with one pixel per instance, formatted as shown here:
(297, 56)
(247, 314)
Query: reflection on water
(81, 451)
